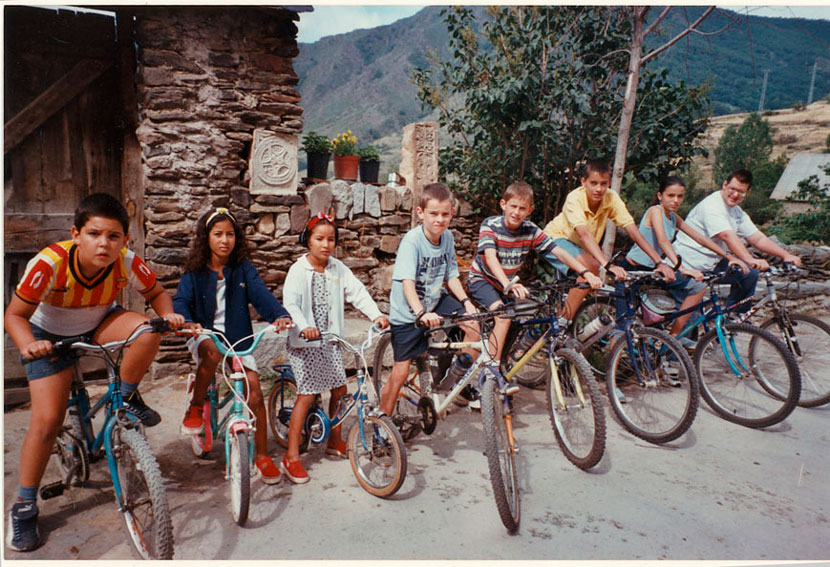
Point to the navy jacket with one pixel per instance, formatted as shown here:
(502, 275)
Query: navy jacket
(196, 300)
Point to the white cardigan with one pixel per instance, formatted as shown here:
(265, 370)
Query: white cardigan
(342, 286)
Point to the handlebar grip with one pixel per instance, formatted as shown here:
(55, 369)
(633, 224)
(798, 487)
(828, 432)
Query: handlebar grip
(58, 348)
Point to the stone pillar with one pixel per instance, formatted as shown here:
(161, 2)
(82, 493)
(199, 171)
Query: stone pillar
(419, 159)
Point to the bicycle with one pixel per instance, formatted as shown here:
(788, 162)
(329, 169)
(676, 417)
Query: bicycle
(574, 403)
(739, 364)
(237, 427)
(496, 405)
(376, 451)
(650, 379)
(805, 336)
(136, 479)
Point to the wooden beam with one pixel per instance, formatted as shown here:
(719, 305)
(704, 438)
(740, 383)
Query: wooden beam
(51, 101)
(31, 232)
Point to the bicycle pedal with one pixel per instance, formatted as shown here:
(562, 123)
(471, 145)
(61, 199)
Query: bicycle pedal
(52, 490)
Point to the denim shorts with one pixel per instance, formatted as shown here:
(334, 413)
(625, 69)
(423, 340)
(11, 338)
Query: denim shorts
(409, 341)
(51, 365)
(484, 292)
(568, 247)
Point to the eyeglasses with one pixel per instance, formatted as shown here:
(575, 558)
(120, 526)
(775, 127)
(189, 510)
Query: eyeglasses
(223, 212)
(739, 192)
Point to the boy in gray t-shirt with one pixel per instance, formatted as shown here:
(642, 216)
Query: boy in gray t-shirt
(426, 259)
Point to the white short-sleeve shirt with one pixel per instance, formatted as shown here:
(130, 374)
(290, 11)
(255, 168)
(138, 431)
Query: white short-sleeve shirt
(710, 217)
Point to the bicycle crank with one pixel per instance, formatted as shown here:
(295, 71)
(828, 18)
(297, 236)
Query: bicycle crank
(429, 417)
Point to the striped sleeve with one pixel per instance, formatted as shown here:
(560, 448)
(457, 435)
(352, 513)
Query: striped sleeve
(140, 275)
(486, 235)
(39, 278)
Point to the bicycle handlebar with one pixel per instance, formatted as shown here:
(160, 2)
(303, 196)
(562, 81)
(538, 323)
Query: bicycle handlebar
(224, 345)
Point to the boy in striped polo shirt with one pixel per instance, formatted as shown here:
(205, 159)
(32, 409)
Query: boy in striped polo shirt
(503, 245)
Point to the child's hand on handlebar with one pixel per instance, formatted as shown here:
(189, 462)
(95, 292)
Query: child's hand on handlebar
(283, 323)
(759, 264)
(431, 319)
(792, 259)
(696, 275)
(665, 270)
(36, 349)
(619, 272)
(519, 291)
(310, 333)
(382, 321)
(174, 320)
(593, 280)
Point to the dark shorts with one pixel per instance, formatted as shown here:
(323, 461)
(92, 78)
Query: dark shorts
(484, 292)
(409, 341)
(53, 364)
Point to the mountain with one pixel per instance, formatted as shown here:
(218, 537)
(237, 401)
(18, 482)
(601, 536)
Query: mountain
(361, 80)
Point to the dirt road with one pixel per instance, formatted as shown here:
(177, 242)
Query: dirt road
(720, 492)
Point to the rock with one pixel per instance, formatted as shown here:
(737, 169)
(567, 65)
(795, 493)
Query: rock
(404, 198)
(342, 194)
(390, 243)
(319, 199)
(266, 224)
(388, 197)
(358, 198)
(283, 224)
(372, 201)
(299, 216)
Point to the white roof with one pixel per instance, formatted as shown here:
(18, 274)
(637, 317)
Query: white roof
(801, 167)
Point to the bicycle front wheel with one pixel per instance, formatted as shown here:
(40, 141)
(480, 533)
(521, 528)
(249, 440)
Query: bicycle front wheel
(575, 409)
(592, 307)
(239, 469)
(406, 414)
(501, 454)
(808, 339)
(535, 371)
(736, 379)
(141, 497)
(377, 455)
(652, 388)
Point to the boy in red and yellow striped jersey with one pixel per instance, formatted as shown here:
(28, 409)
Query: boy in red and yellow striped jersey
(68, 289)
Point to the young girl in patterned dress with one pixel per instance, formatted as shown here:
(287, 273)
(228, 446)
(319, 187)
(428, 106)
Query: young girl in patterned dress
(314, 293)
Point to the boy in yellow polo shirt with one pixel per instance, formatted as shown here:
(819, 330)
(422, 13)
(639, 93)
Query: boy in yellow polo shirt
(578, 229)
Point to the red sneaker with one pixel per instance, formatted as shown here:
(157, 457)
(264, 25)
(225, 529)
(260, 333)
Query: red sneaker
(269, 471)
(193, 424)
(294, 471)
(337, 449)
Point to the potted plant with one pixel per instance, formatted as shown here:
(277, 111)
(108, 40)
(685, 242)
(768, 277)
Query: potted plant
(346, 160)
(318, 150)
(369, 164)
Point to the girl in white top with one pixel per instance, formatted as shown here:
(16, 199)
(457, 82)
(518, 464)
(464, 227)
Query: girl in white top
(315, 291)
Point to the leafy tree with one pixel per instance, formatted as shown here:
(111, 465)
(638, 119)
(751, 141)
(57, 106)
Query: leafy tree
(532, 91)
(812, 225)
(750, 146)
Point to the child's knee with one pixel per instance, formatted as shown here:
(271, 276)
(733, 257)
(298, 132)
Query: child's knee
(46, 428)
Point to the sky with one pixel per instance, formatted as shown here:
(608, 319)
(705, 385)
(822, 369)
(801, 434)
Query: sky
(331, 20)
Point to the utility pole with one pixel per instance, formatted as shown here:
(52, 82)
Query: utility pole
(812, 84)
(763, 91)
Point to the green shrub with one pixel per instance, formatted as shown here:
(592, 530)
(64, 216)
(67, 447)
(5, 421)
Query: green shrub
(368, 153)
(315, 143)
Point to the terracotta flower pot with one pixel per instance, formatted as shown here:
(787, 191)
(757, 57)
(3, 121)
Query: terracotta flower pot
(369, 171)
(318, 165)
(345, 167)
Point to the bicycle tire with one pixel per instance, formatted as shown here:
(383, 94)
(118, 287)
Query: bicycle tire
(743, 399)
(662, 406)
(141, 496)
(590, 309)
(812, 337)
(501, 460)
(239, 469)
(579, 425)
(280, 405)
(380, 467)
(535, 371)
(406, 414)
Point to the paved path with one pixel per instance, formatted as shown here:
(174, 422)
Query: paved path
(720, 492)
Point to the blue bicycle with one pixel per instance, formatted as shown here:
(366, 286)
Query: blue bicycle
(136, 479)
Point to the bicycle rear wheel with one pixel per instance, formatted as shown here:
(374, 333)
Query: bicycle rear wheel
(281, 402)
(377, 455)
(577, 416)
(592, 307)
(407, 416)
(765, 366)
(661, 404)
(501, 454)
(141, 497)
(808, 339)
(239, 469)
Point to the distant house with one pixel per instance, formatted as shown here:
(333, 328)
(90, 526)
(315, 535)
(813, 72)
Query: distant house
(800, 168)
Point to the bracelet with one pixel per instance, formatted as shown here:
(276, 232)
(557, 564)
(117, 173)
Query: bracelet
(583, 272)
(607, 265)
(419, 315)
(465, 300)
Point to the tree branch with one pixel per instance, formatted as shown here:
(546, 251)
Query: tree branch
(679, 36)
(656, 22)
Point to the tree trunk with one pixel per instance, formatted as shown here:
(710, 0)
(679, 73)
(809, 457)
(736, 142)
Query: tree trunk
(629, 103)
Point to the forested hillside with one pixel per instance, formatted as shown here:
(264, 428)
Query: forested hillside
(361, 80)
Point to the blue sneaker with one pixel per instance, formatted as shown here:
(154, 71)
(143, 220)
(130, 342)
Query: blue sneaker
(136, 406)
(22, 532)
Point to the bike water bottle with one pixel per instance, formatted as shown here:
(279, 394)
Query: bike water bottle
(525, 342)
(459, 367)
(595, 326)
